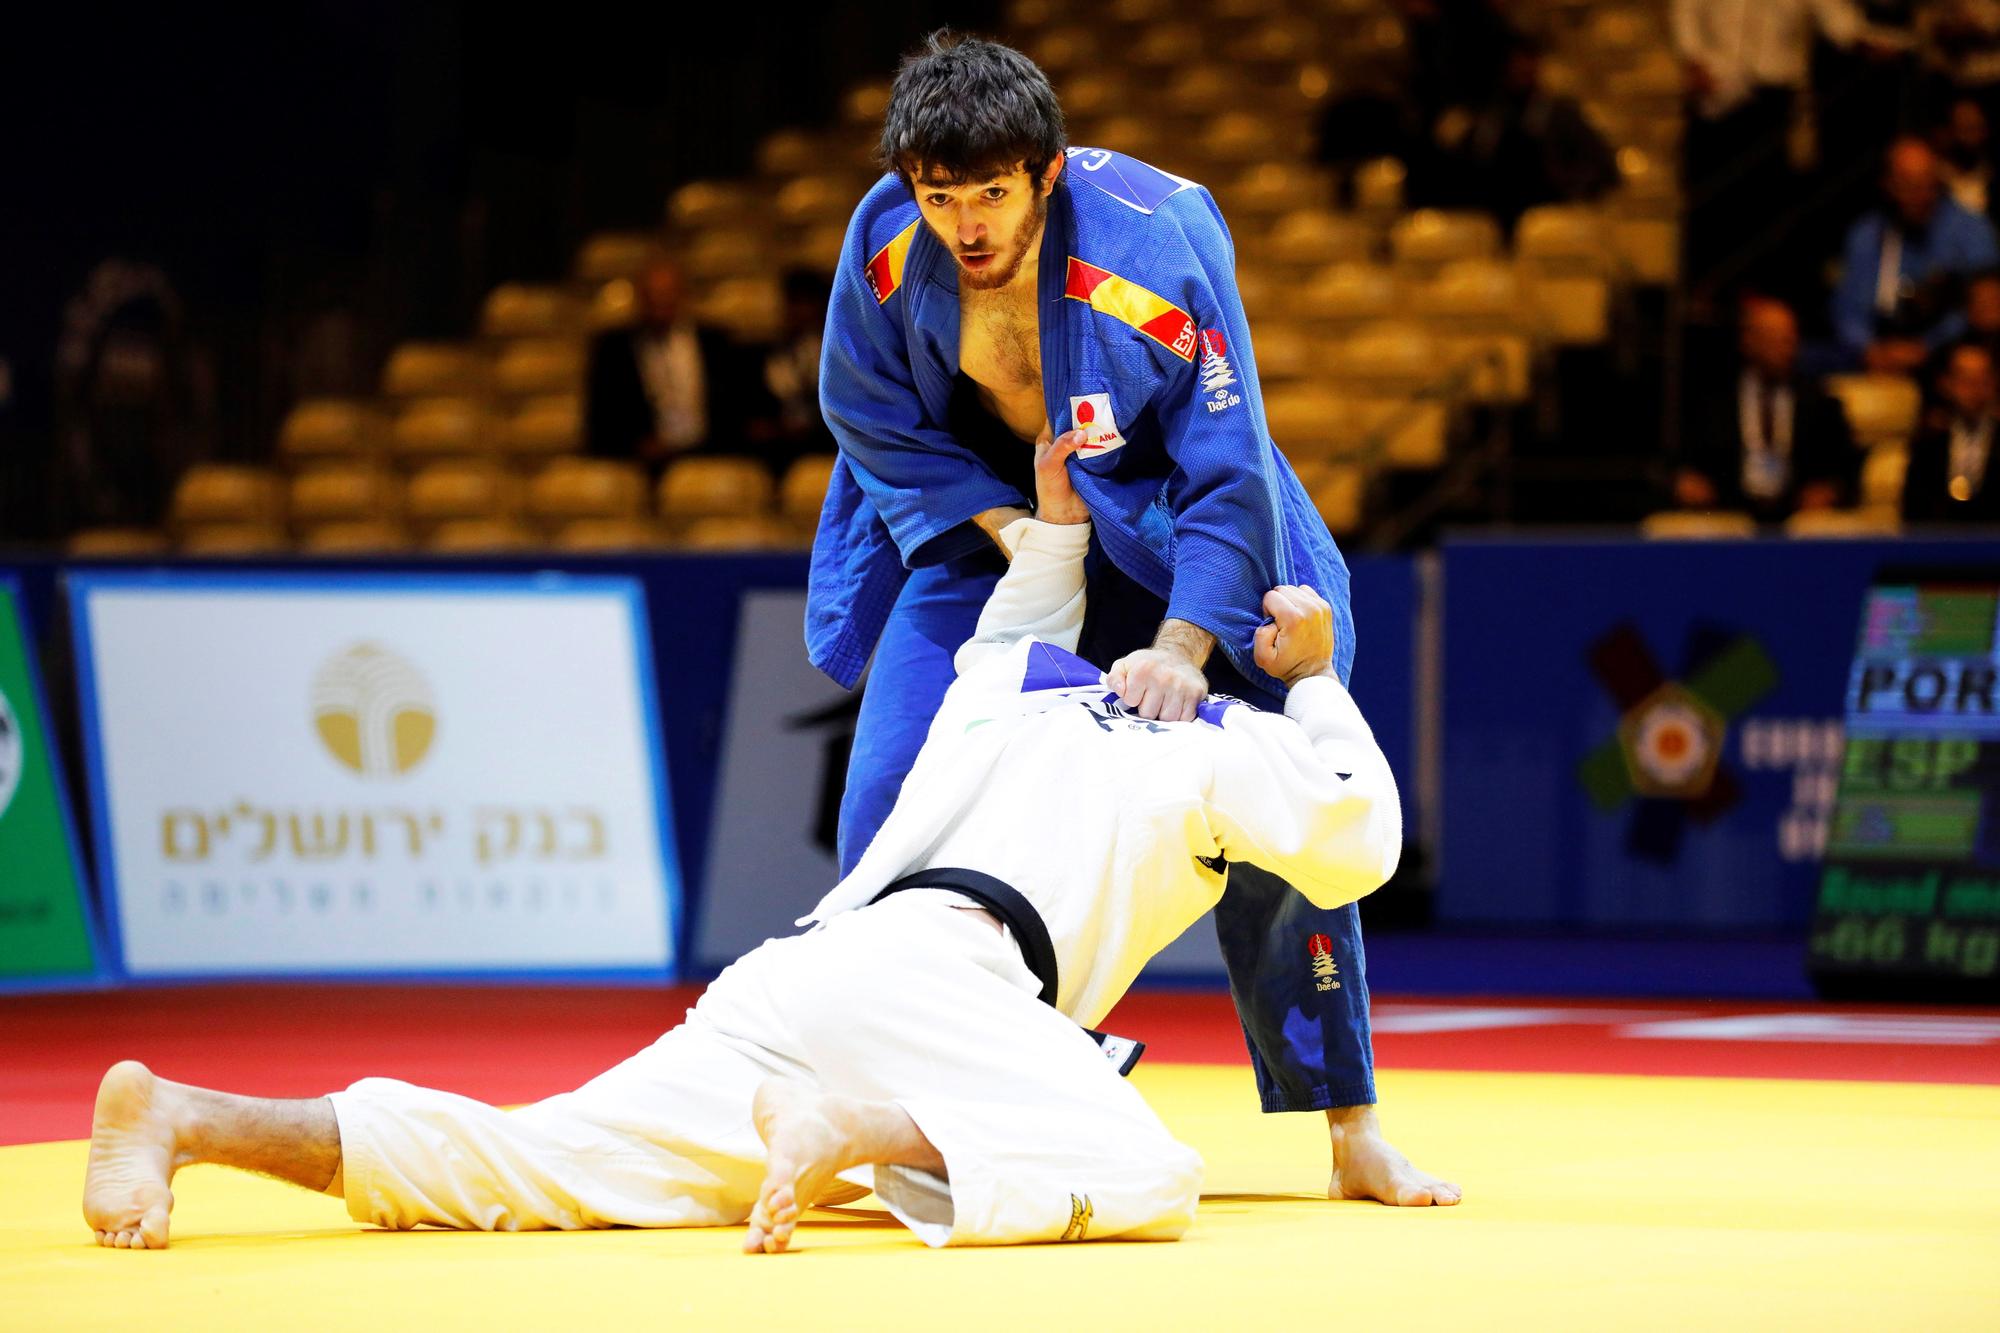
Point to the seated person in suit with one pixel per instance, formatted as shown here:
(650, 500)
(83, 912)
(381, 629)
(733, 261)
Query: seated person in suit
(1768, 440)
(1949, 480)
(1982, 326)
(1903, 267)
(784, 421)
(660, 387)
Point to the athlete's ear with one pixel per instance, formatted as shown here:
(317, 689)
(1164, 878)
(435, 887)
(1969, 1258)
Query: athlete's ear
(1049, 174)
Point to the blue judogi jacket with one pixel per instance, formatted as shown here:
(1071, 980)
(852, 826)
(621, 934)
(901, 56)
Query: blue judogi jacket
(1143, 342)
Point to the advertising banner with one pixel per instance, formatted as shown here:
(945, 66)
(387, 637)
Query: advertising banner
(1648, 733)
(300, 774)
(44, 925)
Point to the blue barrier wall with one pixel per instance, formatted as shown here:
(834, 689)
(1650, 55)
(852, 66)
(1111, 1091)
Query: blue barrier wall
(1539, 640)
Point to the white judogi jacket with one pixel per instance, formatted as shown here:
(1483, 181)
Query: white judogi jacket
(1114, 828)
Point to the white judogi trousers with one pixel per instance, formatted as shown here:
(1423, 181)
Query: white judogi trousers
(912, 1001)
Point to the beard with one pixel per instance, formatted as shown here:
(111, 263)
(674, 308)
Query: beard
(996, 276)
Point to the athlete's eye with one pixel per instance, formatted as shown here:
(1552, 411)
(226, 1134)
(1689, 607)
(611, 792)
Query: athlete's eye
(938, 200)
(995, 193)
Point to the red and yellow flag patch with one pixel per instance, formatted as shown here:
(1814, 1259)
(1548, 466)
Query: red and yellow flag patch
(1122, 299)
(885, 270)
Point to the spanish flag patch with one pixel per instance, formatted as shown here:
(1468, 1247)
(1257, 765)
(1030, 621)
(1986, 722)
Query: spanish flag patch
(1155, 316)
(885, 270)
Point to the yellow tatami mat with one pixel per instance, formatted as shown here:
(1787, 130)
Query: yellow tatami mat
(1591, 1202)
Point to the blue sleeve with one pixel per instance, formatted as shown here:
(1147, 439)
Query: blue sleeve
(1854, 298)
(924, 484)
(1224, 491)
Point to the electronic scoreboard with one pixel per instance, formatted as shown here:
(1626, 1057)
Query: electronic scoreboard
(1909, 898)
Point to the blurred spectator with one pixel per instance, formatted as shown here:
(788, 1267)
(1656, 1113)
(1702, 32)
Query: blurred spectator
(786, 424)
(654, 388)
(1903, 266)
(1960, 40)
(1521, 147)
(133, 396)
(1746, 62)
(1767, 440)
(1948, 480)
(1982, 326)
(1965, 162)
(1458, 53)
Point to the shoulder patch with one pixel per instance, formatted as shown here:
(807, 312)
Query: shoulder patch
(1122, 299)
(885, 270)
(1128, 180)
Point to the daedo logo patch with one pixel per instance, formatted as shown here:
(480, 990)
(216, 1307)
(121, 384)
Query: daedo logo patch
(1217, 378)
(1091, 414)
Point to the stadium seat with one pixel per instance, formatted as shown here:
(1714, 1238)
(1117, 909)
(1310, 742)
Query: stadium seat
(542, 426)
(1649, 249)
(803, 491)
(1486, 367)
(750, 308)
(429, 368)
(720, 253)
(462, 489)
(1302, 420)
(1342, 296)
(1614, 35)
(363, 537)
(818, 248)
(1848, 523)
(1058, 50)
(1090, 92)
(1136, 136)
(865, 103)
(531, 366)
(112, 543)
(1140, 11)
(700, 204)
(789, 153)
(1166, 45)
(232, 539)
(1431, 237)
(615, 254)
(1317, 236)
(1571, 310)
(344, 494)
(1201, 89)
(1378, 186)
(1284, 352)
(1387, 358)
(331, 427)
(1563, 239)
(615, 305)
(1246, 137)
(228, 493)
(1406, 433)
(1274, 40)
(1337, 494)
(479, 536)
(439, 427)
(1469, 295)
(1882, 409)
(1647, 187)
(1882, 476)
(751, 533)
(1277, 189)
(608, 534)
(694, 488)
(1697, 525)
(811, 200)
(571, 488)
(530, 310)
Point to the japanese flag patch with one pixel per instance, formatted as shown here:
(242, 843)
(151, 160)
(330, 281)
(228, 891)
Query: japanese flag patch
(1091, 414)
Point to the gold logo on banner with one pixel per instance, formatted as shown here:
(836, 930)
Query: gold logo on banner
(373, 711)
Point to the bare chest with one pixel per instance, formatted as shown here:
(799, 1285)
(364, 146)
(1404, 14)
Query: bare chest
(999, 350)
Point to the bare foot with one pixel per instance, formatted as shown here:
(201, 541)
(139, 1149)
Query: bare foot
(132, 1150)
(806, 1148)
(1366, 1166)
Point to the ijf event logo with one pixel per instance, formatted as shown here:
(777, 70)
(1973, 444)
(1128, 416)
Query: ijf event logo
(1666, 758)
(373, 711)
(12, 754)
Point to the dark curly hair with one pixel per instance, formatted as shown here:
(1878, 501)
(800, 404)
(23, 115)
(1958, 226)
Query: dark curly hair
(967, 109)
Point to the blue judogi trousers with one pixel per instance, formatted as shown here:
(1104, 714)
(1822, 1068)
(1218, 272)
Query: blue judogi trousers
(1310, 1047)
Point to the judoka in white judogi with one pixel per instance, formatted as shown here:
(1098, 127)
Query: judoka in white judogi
(1115, 830)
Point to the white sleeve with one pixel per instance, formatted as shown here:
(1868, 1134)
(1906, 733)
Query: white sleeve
(1314, 803)
(1041, 594)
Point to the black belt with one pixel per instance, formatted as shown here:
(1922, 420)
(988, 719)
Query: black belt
(1031, 936)
(1004, 901)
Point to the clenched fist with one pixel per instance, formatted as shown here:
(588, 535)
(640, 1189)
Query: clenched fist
(1298, 643)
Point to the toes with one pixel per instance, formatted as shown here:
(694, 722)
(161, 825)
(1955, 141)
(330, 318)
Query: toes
(153, 1229)
(103, 1237)
(1447, 1194)
(1413, 1196)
